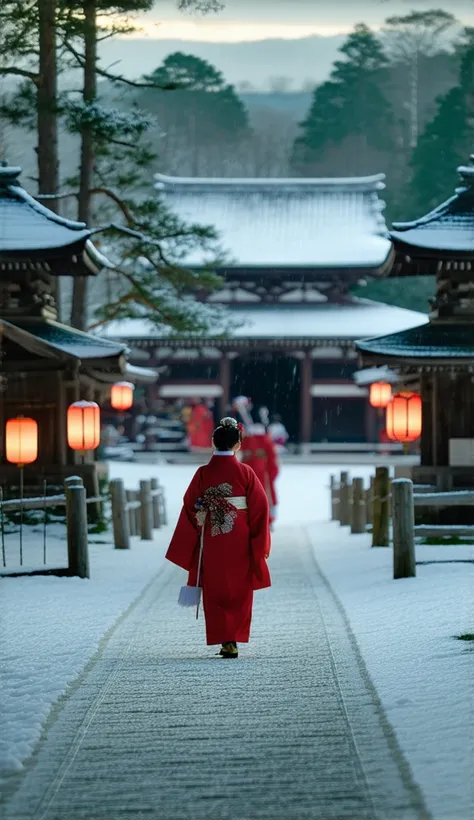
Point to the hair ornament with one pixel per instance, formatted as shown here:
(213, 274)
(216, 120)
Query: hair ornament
(229, 422)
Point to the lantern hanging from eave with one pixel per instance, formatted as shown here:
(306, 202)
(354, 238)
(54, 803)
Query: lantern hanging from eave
(380, 394)
(83, 425)
(21, 441)
(404, 417)
(121, 395)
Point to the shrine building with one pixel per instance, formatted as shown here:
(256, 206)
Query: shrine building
(46, 365)
(296, 247)
(437, 358)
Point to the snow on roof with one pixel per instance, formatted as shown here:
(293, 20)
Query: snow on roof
(25, 224)
(317, 321)
(449, 227)
(75, 342)
(318, 223)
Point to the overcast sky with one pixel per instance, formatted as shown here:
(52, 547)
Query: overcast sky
(257, 19)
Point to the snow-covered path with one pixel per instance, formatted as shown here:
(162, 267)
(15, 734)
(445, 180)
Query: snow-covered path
(60, 630)
(159, 727)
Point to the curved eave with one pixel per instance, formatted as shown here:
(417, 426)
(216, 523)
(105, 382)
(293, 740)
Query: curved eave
(404, 247)
(79, 258)
(432, 216)
(374, 182)
(237, 271)
(95, 261)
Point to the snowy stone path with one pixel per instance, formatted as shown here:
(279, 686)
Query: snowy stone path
(159, 727)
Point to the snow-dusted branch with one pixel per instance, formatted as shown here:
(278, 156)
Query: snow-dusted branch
(20, 72)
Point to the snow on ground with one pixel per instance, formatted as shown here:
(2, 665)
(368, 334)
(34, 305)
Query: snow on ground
(405, 629)
(55, 625)
(406, 632)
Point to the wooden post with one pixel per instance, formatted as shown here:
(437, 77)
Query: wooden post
(130, 497)
(136, 512)
(119, 515)
(380, 525)
(334, 499)
(404, 560)
(344, 500)
(146, 512)
(163, 513)
(306, 399)
(369, 495)
(155, 501)
(76, 518)
(358, 519)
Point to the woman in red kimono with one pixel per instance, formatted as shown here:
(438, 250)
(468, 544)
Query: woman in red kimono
(226, 498)
(260, 454)
(200, 426)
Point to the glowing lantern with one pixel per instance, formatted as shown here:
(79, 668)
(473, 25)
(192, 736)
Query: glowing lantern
(404, 417)
(83, 425)
(21, 435)
(121, 395)
(380, 394)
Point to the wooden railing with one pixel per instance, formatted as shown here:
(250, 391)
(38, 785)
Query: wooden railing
(136, 512)
(392, 502)
(133, 513)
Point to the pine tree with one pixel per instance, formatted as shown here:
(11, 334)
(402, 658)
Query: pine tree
(350, 105)
(446, 141)
(147, 243)
(204, 114)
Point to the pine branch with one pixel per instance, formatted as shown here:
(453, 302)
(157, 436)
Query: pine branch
(117, 78)
(20, 72)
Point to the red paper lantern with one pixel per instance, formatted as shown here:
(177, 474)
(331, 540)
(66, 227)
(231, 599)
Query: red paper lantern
(21, 439)
(380, 394)
(83, 425)
(404, 417)
(121, 395)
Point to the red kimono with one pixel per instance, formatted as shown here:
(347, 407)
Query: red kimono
(233, 563)
(258, 451)
(200, 427)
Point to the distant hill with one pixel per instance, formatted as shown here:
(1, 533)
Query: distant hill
(302, 60)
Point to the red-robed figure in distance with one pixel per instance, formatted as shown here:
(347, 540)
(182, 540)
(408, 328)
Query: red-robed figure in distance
(259, 453)
(200, 426)
(228, 497)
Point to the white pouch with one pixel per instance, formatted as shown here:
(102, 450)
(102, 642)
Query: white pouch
(190, 596)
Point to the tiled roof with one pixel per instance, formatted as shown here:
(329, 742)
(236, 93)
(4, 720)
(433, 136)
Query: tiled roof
(74, 342)
(29, 230)
(318, 321)
(292, 223)
(450, 227)
(25, 224)
(436, 340)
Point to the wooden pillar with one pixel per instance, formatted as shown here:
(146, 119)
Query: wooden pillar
(306, 400)
(224, 378)
(61, 428)
(434, 418)
(404, 558)
(372, 422)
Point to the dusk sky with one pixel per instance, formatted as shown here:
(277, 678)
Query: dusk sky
(247, 20)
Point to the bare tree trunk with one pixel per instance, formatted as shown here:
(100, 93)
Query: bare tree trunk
(47, 150)
(79, 298)
(414, 72)
(46, 113)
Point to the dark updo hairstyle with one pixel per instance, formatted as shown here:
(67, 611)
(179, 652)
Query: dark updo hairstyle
(227, 434)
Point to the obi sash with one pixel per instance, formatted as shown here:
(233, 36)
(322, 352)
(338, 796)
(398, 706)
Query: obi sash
(238, 501)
